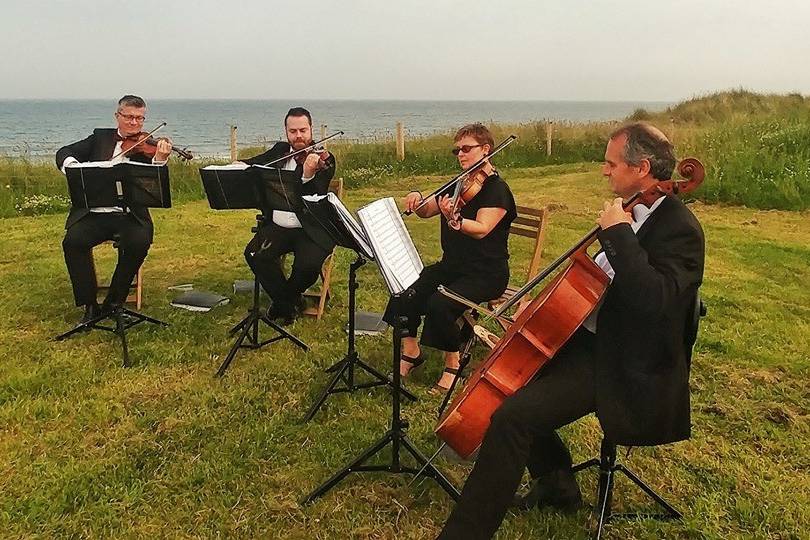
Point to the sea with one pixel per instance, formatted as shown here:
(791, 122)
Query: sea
(37, 128)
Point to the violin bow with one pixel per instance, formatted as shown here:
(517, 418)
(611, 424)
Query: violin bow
(142, 139)
(305, 149)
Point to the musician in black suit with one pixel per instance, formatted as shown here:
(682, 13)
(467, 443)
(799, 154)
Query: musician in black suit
(88, 227)
(629, 362)
(292, 232)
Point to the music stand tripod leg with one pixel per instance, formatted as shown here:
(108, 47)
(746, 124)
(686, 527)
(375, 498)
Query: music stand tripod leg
(120, 329)
(395, 436)
(344, 368)
(234, 348)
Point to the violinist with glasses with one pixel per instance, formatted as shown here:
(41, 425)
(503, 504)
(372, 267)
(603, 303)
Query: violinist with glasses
(475, 257)
(628, 361)
(89, 227)
(292, 232)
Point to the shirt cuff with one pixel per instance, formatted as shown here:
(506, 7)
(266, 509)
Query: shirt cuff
(305, 180)
(68, 161)
(156, 162)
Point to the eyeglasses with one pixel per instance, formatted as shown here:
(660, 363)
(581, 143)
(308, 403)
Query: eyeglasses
(464, 148)
(131, 117)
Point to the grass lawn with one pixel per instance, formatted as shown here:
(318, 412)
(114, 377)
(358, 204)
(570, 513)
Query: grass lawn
(163, 449)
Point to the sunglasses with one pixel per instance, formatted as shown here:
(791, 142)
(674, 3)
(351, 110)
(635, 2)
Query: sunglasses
(465, 148)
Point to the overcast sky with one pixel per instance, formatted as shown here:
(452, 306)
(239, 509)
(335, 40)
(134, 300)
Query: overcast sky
(409, 49)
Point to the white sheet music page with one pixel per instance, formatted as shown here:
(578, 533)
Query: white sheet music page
(395, 253)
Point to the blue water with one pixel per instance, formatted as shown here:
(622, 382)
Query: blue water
(39, 127)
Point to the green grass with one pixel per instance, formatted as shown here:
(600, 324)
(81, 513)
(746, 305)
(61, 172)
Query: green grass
(88, 449)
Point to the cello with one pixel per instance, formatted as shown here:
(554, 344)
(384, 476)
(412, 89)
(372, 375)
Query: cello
(541, 328)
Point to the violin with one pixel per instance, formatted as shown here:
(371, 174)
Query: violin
(467, 190)
(541, 328)
(323, 156)
(144, 143)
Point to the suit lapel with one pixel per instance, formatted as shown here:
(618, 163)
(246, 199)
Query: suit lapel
(105, 144)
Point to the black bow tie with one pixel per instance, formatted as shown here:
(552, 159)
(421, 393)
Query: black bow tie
(118, 138)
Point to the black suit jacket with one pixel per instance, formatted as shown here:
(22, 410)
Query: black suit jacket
(643, 343)
(98, 147)
(319, 185)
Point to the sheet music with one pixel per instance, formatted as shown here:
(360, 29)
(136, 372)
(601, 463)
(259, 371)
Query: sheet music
(347, 219)
(106, 164)
(229, 167)
(396, 255)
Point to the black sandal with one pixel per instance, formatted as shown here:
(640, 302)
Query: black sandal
(441, 390)
(415, 362)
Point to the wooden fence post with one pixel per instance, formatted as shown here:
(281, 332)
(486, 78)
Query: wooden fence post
(400, 142)
(549, 131)
(323, 131)
(233, 143)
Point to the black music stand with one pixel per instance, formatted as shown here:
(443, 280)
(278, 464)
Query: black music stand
(239, 189)
(125, 185)
(342, 371)
(395, 436)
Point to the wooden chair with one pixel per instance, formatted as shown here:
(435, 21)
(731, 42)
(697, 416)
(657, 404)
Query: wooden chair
(531, 223)
(135, 295)
(321, 295)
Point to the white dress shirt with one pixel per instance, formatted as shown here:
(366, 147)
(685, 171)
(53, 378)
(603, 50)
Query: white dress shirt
(640, 215)
(289, 220)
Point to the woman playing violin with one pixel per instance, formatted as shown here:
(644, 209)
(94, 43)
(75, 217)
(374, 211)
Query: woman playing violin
(475, 258)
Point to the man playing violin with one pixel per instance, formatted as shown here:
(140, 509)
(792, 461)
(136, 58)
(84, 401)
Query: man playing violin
(87, 228)
(292, 232)
(628, 363)
(475, 258)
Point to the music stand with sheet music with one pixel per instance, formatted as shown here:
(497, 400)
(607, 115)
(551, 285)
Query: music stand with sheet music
(125, 184)
(391, 246)
(238, 187)
(329, 212)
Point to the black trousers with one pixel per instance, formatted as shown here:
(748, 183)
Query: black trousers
(440, 312)
(522, 434)
(263, 254)
(133, 245)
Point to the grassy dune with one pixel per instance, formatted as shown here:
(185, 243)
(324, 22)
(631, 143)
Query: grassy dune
(88, 449)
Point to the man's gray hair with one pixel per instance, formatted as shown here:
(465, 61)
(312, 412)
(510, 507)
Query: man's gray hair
(645, 141)
(131, 101)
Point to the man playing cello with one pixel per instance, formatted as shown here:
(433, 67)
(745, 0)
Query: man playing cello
(628, 363)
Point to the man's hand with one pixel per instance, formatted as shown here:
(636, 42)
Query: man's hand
(164, 148)
(613, 214)
(312, 165)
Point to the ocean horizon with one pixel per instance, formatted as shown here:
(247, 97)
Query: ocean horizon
(38, 127)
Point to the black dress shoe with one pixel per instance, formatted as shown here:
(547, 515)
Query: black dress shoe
(282, 313)
(107, 308)
(558, 489)
(91, 311)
